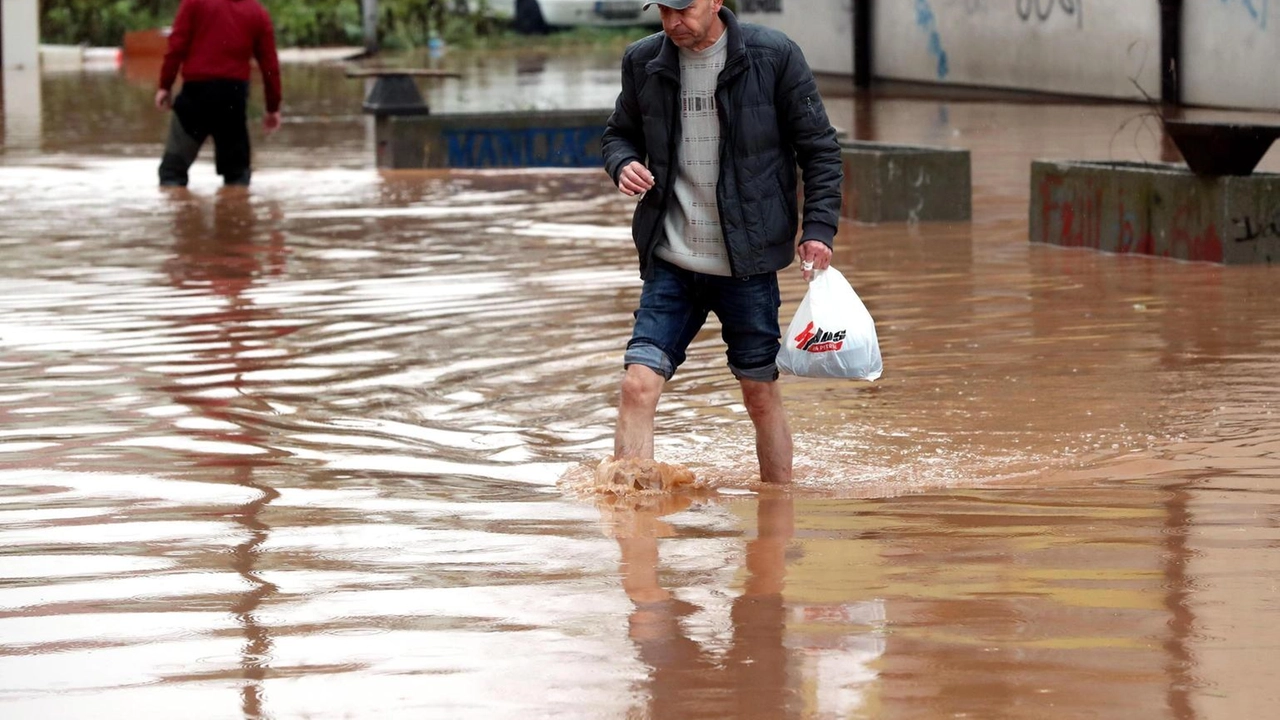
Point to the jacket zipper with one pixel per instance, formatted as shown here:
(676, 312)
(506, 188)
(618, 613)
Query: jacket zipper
(668, 181)
(725, 142)
(726, 132)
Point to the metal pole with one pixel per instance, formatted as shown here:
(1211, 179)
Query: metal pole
(862, 32)
(1171, 52)
(20, 44)
(370, 18)
(20, 60)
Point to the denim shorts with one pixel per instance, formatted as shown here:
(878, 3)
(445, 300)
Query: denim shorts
(674, 305)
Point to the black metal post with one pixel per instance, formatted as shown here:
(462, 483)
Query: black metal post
(369, 21)
(1171, 52)
(862, 32)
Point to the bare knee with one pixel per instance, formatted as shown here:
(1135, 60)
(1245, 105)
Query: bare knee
(641, 387)
(762, 399)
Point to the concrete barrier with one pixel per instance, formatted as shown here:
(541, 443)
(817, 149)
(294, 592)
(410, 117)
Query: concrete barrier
(883, 183)
(56, 58)
(561, 138)
(75, 58)
(894, 183)
(1156, 209)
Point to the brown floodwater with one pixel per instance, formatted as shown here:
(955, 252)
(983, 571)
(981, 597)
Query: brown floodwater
(301, 452)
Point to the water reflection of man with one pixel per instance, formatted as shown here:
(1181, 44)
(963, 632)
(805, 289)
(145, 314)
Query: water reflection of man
(685, 680)
(213, 42)
(713, 118)
(224, 256)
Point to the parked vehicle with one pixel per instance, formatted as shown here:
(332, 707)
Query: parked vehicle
(539, 16)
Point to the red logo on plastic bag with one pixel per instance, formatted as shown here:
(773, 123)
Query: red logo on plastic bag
(817, 340)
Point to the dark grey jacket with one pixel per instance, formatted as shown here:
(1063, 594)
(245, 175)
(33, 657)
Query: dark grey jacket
(771, 117)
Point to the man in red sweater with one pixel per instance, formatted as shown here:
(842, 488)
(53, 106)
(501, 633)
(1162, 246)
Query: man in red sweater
(212, 41)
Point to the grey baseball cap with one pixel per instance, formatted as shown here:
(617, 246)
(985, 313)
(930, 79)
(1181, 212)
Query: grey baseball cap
(673, 4)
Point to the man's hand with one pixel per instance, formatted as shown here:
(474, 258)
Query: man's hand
(163, 101)
(271, 122)
(635, 179)
(814, 255)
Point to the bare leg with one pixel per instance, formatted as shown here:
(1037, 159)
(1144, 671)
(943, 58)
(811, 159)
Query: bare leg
(767, 555)
(758, 658)
(773, 435)
(641, 388)
(640, 569)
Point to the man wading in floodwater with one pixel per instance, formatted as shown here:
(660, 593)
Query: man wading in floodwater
(712, 119)
(212, 41)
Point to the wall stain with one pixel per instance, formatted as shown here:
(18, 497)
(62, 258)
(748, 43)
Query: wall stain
(929, 23)
(1259, 10)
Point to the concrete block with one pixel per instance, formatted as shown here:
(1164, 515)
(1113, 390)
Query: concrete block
(1156, 209)
(895, 183)
(562, 138)
(76, 58)
(59, 58)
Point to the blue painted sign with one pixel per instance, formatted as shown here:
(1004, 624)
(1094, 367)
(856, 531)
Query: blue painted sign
(524, 147)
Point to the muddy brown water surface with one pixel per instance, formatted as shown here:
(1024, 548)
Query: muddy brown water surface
(298, 452)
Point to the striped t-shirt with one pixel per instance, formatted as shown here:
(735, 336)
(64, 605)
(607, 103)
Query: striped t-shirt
(694, 240)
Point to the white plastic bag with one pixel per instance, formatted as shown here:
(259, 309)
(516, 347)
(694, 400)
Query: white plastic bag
(832, 334)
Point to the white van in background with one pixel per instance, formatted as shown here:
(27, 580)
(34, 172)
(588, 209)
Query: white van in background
(539, 16)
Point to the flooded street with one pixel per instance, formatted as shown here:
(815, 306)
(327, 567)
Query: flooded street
(299, 452)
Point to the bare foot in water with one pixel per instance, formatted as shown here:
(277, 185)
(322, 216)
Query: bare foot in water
(642, 474)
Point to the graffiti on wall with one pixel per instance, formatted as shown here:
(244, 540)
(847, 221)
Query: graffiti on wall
(929, 23)
(1252, 230)
(1258, 10)
(524, 147)
(1045, 10)
(1079, 213)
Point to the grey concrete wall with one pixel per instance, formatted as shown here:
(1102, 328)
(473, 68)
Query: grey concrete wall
(893, 183)
(1085, 47)
(1156, 209)
(823, 28)
(1102, 48)
(1231, 52)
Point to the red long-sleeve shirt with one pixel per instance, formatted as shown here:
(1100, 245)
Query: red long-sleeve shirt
(216, 39)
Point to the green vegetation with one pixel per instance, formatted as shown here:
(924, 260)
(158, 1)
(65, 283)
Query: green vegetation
(95, 22)
(403, 24)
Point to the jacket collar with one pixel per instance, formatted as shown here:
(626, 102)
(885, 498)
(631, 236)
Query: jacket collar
(667, 61)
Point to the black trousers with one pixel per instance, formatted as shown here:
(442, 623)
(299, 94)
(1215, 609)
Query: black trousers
(204, 109)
